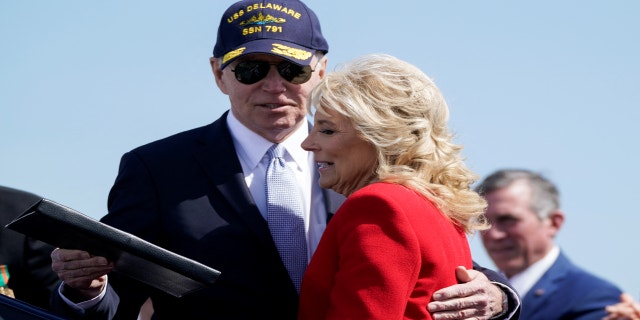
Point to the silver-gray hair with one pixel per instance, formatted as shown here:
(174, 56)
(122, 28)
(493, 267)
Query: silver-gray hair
(545, 197)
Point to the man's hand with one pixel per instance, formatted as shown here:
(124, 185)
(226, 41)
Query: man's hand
(626, 309)
(84, 276)
(474, 298)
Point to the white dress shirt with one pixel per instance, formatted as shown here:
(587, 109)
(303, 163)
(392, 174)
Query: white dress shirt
(251, 149)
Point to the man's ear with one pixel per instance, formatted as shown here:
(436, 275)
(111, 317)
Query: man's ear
(217, 73)
(323, 67)
(556, 220)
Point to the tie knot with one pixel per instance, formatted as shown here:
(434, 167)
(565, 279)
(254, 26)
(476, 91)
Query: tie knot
(276, 151)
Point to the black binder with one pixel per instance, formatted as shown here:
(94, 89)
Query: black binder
(134, 257)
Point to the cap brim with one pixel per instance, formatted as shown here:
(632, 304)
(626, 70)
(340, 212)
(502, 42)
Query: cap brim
(289, 51)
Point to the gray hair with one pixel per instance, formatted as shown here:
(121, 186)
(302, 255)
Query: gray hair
(545, 197)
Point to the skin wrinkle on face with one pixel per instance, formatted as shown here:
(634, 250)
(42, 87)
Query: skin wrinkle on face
(346, 161)
(271, 107)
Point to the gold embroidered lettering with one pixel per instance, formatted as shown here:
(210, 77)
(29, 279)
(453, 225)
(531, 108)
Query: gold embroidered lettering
(274, 28)
(251, 30)
(275, 7)
(235, 16)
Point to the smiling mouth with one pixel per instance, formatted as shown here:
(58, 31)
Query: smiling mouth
(323, 165)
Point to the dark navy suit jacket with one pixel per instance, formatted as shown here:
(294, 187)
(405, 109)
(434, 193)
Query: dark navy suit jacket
(187, 193)
(566, 291)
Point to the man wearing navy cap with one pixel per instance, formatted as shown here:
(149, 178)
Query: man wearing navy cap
(201, 193)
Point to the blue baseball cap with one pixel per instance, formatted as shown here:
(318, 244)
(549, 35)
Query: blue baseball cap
(285, 28)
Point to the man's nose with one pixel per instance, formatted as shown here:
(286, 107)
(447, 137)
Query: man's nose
(274, 82)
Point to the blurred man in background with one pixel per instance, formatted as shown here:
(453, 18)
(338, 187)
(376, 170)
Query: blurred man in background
(524, 211)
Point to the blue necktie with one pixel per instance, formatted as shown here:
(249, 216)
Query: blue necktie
(285, 214)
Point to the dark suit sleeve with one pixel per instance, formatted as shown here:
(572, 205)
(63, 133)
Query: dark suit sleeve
(132, 208)
(104, 310)
(513, 300)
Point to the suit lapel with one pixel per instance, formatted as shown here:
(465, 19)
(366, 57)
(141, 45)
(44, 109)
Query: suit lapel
(543, 291)
(218, 159)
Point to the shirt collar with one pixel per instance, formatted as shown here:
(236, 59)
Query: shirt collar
(252, 147)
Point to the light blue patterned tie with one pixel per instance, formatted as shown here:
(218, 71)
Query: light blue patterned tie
(285, 214)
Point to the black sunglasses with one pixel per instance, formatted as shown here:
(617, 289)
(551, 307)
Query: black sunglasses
(252, 71)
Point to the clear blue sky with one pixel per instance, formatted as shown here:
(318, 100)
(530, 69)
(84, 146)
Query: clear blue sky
(546, 85)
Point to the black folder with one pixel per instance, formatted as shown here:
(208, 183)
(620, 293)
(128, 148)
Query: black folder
(134, 257)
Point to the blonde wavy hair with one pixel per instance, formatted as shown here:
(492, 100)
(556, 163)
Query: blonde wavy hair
(399, 109)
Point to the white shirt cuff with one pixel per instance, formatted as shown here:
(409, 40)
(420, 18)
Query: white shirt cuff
(84, 305)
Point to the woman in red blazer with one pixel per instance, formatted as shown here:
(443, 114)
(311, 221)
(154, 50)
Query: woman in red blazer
(380, 138)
